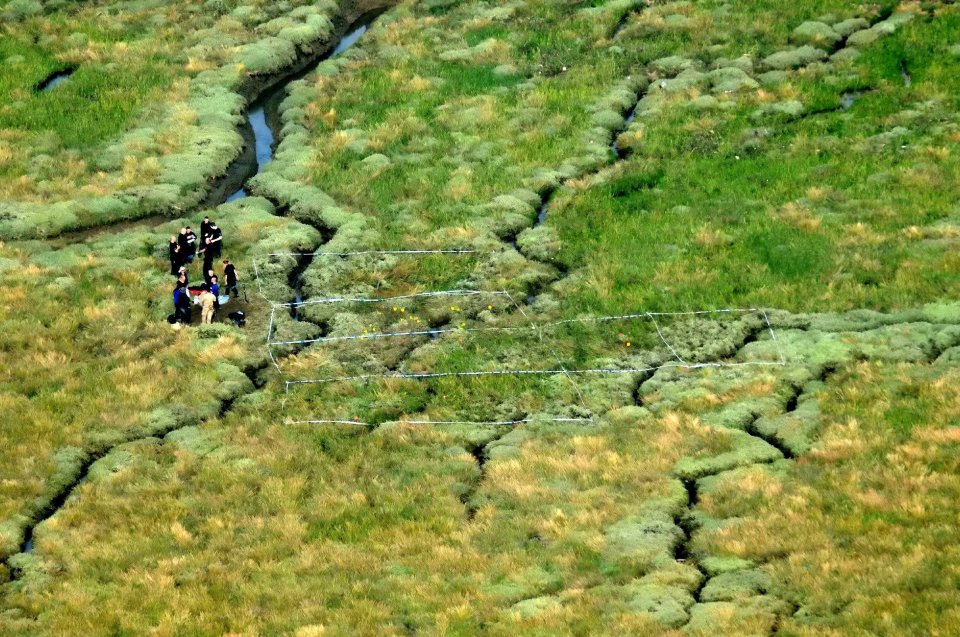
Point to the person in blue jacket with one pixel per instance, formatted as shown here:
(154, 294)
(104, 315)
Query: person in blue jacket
(215, 289)
(181, 304)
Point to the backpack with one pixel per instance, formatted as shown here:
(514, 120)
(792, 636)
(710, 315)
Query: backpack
(238, 318)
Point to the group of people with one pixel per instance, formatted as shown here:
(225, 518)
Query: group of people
(184, 250)
(185, 247)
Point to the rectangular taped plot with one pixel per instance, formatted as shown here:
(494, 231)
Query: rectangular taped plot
(487, 363)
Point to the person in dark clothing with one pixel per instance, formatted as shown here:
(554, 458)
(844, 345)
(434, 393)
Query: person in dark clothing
(184, 246)
(191, 239)
(181, 304)
(175, 260)
(203, 245)
(230, 278)
(205, 230)
(176, 300)
(208, 276)
(182, 277)
(215, 240)
(208, 256)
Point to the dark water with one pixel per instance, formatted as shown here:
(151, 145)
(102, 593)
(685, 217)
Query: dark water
(849, 98)
(547, 197)
(264, 139)
(264, 136)
(296, 304)
(148, 224)
(55, 79)
(351, 38)
(542, 214)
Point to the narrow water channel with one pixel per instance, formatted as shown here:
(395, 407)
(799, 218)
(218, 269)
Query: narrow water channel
(264, 113)
(260, 120)
(263, 138)
(55, 79)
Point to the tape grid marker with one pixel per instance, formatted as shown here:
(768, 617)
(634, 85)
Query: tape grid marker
(528, 372)
(358, 423)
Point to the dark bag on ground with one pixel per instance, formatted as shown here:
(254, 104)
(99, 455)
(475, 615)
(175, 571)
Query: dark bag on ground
(238, 318)
(172, 319)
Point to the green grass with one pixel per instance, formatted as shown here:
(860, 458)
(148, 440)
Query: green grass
(95, 105)
(867, 529)
(110, 368)
(150, 112)
(441, 129)
(791, 221)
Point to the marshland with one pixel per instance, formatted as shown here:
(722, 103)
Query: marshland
(562, 317)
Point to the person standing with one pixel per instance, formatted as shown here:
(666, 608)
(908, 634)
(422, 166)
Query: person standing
(208, 302)
(204, 230)
(177, 291)
(215, 240)
(191, 244)
(208, 256)
(215, 289)
(186, 253)
(230, 278)
(181, 304)
(174, 256)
